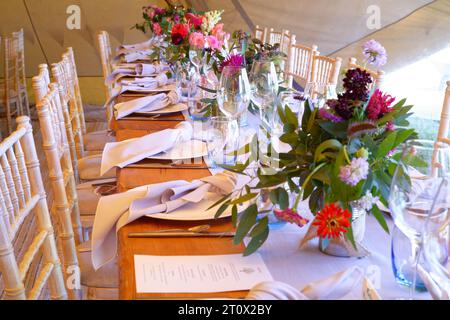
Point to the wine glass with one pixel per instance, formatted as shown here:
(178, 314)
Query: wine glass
(233, 93)
(420, 196)
(264, 82)
(222, 141)
(197, 58)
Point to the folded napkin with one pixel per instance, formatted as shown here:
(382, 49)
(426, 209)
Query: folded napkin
(121, 154)
(123, 49)
(135, 69)
(438, 288)
(134, 56)
(117, 210)
(148, 103)
(351, 284)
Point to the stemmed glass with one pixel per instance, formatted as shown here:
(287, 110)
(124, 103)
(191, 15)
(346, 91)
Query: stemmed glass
(264, 83)
(420, 196)
(233, 93)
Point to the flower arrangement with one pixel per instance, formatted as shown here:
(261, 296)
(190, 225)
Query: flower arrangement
(342, 156)
(184, 30)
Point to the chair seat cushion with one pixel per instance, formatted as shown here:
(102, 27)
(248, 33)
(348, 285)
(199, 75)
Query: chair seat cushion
(95, 141)
(90, 192)
(105, 277)
(89, 168)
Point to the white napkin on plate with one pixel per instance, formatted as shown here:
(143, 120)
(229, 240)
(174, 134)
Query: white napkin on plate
(148, 103)
(126, 48)
(350, 284)
(133, 56)
(121, 154)
(117, 210)
(135, 69)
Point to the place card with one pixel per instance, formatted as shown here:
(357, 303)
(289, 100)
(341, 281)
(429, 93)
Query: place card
(199, 274)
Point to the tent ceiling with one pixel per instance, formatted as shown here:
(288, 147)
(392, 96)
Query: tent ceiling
(335, 26)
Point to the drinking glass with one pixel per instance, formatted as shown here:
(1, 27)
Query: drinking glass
(264, 85)
(222, 141)
(295, 100)
(233, 93)
(420, 195)
(186, 79)
(197, 58)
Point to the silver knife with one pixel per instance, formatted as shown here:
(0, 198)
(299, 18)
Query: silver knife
(180, 234)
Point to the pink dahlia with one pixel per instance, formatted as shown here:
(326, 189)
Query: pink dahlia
(197, 40)
(379, 105)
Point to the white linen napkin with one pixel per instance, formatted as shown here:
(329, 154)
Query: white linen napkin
(117, 210)
(148, 103)
(133, 56)
(121, 154)
(126, 48)
(438, 288)
(136, 70)
(350, 284)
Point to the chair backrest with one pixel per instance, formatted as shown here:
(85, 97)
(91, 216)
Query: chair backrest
(260, 34)
(299, 63)
(286, 41)
(22, 194)
(325, 72)
(52, 118)
(63, 75)
(11, 81)
(22, 83)
(106, 58)
(445, 118)
(377, 76)
(275, 37)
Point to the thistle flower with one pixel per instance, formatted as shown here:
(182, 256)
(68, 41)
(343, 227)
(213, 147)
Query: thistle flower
(375, 53)
(355, 172)
(327, 115)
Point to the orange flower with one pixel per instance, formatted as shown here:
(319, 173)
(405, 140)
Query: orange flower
(332, 221)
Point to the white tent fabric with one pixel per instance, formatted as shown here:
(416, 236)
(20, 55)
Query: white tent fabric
(409, 29)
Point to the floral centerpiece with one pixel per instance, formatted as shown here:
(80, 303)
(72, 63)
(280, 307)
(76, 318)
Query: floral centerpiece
(341, 161)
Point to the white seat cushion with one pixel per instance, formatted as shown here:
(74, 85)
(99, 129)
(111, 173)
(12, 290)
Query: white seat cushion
(89, 168)
(90, 192)
(95, 141)
(105, 277)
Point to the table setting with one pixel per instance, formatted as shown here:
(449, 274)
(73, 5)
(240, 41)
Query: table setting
(307, 196)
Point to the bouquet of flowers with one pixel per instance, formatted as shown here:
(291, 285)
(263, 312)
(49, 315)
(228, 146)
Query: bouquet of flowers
(342, 157)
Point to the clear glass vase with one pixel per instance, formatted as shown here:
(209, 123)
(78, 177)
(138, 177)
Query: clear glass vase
(336, 247)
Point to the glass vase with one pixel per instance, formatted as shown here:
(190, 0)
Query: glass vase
(336, 247)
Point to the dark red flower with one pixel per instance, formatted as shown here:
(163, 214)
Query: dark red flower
(332, 221)
(379, 105)
(195, 20)
(290, 216)
(179, 33)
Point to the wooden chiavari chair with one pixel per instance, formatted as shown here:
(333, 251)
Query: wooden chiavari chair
(104, 45)
(324, 73)
(10, 89)
(23, 194)
(260, 34)
(88, 161)
(299, 64)
(377, 76)
(67, 199)
(22, 83)
(275, 37)
(445, 118)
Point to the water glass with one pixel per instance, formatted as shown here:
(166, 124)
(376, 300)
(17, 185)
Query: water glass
(222, 141)
(295, 100)
(187, 80)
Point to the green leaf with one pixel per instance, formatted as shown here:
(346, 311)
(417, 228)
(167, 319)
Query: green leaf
(291, 117)
(387, 145)
(246, 222)
(244, 198)
(380, 218)
(220, 201)
(257, 242)
(234, 215)
(221, 210)
(260, 227)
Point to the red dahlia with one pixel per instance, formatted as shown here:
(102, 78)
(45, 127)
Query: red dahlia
(179, 33)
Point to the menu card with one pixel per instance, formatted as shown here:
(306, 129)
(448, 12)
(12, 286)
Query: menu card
(199, 274)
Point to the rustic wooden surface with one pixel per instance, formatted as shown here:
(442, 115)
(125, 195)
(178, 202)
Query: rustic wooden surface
(128, 247)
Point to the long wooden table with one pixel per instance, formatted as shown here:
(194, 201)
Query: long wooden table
(128, 247)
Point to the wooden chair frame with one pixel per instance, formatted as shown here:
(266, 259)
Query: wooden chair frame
(299, 63)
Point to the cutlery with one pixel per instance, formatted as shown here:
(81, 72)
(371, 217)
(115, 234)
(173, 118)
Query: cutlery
(167, 166)
(185, 234)
(200, 228)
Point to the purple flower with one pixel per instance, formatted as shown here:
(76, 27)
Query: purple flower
(233, 60)
(327, 115)
(375, 53)
(356, 171)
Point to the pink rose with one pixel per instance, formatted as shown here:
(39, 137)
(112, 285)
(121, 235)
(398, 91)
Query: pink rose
(213, 42)
(197, 40)
(157, 29)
